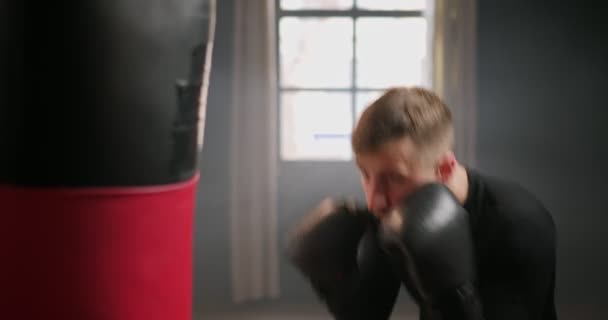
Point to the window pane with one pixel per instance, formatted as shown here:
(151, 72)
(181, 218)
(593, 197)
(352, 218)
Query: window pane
(391, 4)
(316, 4)
(364, 98)
(316, 125)
(390, 52)
(316, 52)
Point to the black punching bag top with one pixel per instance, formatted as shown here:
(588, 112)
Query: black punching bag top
(100, 93)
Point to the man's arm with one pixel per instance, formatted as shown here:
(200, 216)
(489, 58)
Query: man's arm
(429, 241)
(336, 248)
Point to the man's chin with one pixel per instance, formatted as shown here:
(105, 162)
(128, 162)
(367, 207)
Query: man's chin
(381, 214)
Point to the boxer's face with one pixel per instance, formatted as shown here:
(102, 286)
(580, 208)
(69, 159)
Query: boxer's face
(392, 173)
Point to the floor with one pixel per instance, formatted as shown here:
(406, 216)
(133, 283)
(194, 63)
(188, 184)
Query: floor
(284, 312)
(316, 312)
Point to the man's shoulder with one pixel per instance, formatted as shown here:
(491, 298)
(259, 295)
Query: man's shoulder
(513, 204)
(521, 223)
(503, 193)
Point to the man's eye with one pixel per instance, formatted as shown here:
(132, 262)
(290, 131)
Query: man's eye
(396, 178)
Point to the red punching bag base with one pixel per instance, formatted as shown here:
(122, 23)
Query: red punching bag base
(96, 253)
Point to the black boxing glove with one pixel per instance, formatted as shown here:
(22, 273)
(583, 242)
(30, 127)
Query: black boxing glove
(336, 248)
(429, 241)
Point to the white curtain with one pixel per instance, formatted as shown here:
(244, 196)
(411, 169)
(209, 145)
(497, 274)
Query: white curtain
(454, 38)
(253, 154)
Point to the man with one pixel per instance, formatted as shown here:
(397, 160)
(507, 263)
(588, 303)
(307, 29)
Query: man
(465, 245)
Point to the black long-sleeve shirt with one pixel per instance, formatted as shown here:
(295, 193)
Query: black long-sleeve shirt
(515, 246)
(514, 241)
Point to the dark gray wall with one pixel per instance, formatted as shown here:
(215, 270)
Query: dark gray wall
(542, 74)
(212, 247)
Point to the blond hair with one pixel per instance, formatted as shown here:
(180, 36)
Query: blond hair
(401, 112)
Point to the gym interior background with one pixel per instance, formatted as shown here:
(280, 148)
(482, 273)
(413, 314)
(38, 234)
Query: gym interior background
(526, 79)
(540, 70)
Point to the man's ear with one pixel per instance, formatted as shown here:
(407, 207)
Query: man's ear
(445, 166)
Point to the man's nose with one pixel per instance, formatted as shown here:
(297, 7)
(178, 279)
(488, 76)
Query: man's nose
(377, 201)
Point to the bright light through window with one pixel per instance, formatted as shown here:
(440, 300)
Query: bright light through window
(390, 51)
(316, 4)
(335, 58)
(309, 45)
(391, 4)
(315, 125)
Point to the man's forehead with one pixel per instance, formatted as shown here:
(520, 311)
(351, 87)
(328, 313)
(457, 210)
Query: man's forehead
(394, 149)
(391, 159)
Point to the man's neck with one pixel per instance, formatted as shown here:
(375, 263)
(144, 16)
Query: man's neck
(459, 183)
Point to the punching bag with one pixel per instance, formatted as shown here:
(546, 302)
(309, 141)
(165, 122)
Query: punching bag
(102, 108)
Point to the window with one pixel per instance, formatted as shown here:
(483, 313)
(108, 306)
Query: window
(337, 56)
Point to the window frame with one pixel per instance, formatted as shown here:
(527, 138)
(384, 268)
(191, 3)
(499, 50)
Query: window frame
(354, 13)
